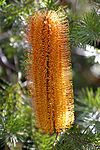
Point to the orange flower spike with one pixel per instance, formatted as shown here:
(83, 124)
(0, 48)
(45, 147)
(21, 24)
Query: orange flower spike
(49, 71)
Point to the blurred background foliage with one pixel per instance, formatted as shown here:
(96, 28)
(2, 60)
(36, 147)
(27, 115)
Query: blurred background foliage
(17, 125)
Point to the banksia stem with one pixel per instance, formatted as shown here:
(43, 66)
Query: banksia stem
(49, 71)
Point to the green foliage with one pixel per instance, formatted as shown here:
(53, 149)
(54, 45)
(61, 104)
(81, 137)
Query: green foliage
(78, 139)
(97, 1)
(86, 30)
(48, 4)
(43, 141)
(87, 107)
(15, 115)
(91, 98)
(2, 2)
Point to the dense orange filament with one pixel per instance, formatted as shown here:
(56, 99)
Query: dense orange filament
(49, 72)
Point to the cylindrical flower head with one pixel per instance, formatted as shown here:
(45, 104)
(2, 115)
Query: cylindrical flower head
(49, 71)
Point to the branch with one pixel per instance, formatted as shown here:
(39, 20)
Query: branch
(4, 62)
(5, 35)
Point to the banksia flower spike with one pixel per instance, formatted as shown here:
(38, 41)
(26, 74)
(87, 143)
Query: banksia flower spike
(49, 71)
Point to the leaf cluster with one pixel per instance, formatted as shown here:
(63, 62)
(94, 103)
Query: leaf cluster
(15, 115)
(76, 139)
(86, 30)
(87, 107)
